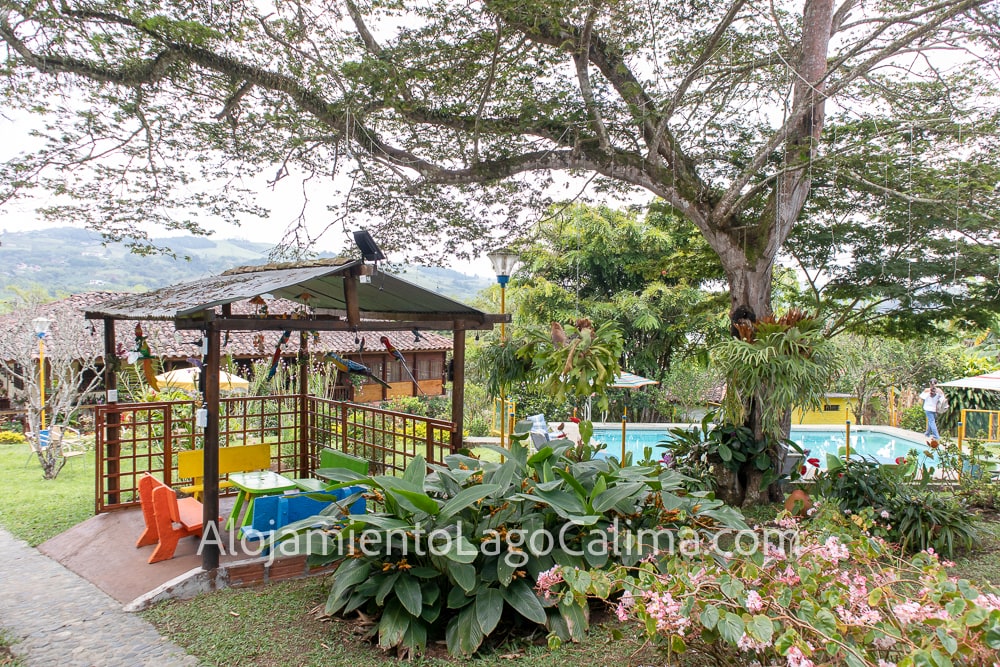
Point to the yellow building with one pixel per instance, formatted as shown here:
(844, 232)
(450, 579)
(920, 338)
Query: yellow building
(837, 409)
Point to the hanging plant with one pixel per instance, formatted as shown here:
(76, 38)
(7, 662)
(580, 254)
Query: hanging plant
(502, 367)
(577, 361)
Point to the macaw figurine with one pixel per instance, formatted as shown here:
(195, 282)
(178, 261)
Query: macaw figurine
(142, 352)
(276, 357)
(399, 357)
(350, 366)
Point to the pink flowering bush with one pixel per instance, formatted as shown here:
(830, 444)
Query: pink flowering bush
(828, 597)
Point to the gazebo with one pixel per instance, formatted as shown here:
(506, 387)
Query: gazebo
(335, 295)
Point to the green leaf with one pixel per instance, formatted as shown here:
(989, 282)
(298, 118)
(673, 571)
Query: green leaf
(385, 587)
(992, 637)
(576, 620)
(351, 573)
(458, 549)
(710, 616)
(505, 569)
(761, 628)
(618, 493)
(470, 635)
(730, 626)
(416, 471)
(524, 601)
(466, 498)
(825, 622)
(725, 453)
(464, 575)
(489, 608)
(949, 643)
(415, 501)
(976, 616)
(539, 456)
(408, 592)
(393, 625)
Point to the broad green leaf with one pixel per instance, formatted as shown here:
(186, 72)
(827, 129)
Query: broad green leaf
(393, 624)
(415, 636)
(458, 549)
(385, 587)
(351, 573)
(416, 471)
(409, 594)
(539, 456)
(710, 616)
(466, 498)
(949, 643)
(761, 628)
(416, 501)
(505, 569)
(730, 626)
(489, 607)
(464, 575)
(825, 622)
(576, 620)
(470, 635)
(524, 601)
(618, 493)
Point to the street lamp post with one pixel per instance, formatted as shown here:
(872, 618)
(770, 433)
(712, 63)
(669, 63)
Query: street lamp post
(41, 327)
(503, 265)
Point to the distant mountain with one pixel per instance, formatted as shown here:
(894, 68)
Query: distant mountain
(68, 260)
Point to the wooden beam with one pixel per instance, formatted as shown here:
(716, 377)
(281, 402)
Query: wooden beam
(250, 323)
(210, 512)
(458, 388)
(112, 434)
(351, 300)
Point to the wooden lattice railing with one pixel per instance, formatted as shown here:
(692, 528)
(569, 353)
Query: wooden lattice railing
(135, 438)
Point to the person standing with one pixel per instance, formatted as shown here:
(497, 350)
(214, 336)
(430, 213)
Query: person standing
(931, 397)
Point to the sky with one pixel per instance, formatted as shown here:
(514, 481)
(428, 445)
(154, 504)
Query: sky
(284, 201)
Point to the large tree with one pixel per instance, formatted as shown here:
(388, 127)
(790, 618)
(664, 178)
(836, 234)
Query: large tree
(448, 121)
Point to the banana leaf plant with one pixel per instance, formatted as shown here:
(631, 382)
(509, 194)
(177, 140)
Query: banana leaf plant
(461, 546)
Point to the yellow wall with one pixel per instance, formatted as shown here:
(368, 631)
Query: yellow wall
(838, 416)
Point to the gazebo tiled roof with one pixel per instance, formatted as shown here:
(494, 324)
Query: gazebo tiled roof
(170, 344)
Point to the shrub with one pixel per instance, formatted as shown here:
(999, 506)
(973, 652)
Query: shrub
(11, 438)
(925, 519)
(459, 548)
(838, 598)
(857, 484)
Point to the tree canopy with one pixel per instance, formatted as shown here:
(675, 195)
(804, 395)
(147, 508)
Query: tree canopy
(442, 125)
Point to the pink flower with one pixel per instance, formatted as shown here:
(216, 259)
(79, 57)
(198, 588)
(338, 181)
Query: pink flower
(796, 658)
(663, 609)
(625, 603)
(748, 643)
(548, 579)
(754, 602)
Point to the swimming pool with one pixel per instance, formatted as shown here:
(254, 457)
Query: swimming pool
(883, 445)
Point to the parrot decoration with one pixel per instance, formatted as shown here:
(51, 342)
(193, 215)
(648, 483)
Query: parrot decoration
(352, 367)
(276, 357)
(399, 357)
(142, 351)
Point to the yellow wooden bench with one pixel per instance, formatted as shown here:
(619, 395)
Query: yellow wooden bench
(242, 458)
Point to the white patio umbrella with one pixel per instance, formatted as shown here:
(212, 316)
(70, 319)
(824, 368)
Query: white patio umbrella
(187, 379)
(990, 381)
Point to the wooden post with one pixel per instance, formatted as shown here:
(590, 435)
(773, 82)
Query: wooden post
(210, 515)
(458, 386)
(112, 439)
(304, 467)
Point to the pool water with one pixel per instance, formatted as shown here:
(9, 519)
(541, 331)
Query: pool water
(883, 447)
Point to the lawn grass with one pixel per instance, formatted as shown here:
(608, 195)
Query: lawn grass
(33, 508)
(7, 658)
(281, 624)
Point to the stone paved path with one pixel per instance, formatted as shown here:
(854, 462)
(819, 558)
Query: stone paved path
(55, 617)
